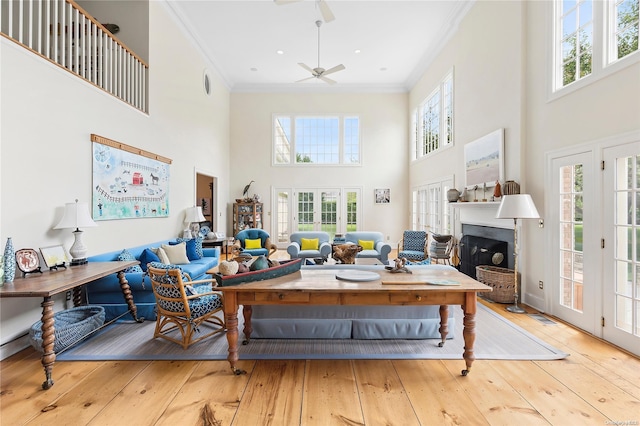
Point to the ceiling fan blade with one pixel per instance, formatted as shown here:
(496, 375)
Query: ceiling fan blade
(334, 69)
(305, 79)
(327, 15)
(306, 67)
(327, 80)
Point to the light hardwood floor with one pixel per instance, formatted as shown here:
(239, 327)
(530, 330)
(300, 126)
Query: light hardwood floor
(597, 384)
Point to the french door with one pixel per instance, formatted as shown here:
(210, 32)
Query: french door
(332, 210)
(621, 278)
(575, 251)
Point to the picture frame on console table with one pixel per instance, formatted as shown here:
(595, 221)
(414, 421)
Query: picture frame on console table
(54, 256)
(484, 161)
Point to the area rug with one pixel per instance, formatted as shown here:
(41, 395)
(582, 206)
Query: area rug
(496, 338)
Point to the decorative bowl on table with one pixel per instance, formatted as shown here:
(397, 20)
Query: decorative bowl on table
(441, 238)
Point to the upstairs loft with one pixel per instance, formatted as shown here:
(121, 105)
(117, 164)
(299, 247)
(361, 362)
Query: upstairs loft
(63, 33)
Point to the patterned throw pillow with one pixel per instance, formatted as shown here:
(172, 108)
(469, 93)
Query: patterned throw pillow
(198, 246)
(125, 256)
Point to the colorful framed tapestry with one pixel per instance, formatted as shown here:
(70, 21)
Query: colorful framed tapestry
(128, 182)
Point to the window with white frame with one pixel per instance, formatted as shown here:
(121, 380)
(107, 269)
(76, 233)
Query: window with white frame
(432, 121)
(580, 52)
(331, 139)
(430, 209)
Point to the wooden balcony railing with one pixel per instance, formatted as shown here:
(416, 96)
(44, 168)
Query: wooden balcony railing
(63, 33)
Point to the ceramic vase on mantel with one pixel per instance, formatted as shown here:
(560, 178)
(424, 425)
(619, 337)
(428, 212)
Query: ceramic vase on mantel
(9, 262)
(511, 187)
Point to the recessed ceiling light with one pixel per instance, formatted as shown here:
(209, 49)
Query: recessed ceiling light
(253, 69)
(383, 69)
(357, 51)
(280, 52)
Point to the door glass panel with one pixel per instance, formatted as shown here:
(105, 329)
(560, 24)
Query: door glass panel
(571, 237)
(305, 211)
(283, 217)
(352, 211)
(329, 209)
(627, 295)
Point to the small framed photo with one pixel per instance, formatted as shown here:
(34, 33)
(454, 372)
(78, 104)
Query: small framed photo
(54, 256)
(382, 196)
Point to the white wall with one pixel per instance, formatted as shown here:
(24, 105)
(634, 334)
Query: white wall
(501, 60)
(599, 111)
(485, 57)
(47, 118)
(384, 152)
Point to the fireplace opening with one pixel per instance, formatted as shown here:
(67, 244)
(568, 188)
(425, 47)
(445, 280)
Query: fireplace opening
(476, 251)
(485, 245)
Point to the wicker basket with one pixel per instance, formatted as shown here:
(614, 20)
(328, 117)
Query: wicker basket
(502, 281)
(71, 326)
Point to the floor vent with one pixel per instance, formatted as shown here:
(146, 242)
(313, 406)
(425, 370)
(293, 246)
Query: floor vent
(542, 319)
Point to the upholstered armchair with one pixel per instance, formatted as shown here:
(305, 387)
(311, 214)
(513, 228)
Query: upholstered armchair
(372, 243)
(254, 242)
(413, 246)
(184, 307)
(309, 245)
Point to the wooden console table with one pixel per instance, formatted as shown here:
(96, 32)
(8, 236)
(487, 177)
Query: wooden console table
(320, 287)
(50, 283)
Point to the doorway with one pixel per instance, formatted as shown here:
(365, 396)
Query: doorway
(206, 197)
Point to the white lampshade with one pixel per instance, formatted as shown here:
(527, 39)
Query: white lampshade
(194, 214)
(517, 206)
(76, 215)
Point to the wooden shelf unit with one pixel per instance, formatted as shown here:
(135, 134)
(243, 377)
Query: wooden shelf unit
(247, 215)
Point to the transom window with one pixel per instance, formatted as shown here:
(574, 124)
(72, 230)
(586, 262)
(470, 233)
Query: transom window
(316, 139)
(433, 120)
(580, 51)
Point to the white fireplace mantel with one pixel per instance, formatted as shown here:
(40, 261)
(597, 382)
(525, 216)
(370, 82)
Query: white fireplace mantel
(476, 213)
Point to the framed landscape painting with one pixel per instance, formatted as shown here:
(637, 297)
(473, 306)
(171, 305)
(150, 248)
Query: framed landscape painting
(484, 160)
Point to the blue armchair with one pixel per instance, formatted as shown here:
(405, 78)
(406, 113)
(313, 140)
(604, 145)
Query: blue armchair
(249, 237)
(380, 249)
(320, 250)
(413, 246)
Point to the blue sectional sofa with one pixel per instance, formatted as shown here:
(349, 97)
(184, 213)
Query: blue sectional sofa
(350, 322)
(106, 291)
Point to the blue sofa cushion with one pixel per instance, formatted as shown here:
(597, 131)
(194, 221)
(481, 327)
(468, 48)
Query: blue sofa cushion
(148, 256)
(126, 255)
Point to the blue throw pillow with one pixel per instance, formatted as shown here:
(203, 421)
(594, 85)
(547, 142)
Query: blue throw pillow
(148, 256)
(192, 247)
(126, 255)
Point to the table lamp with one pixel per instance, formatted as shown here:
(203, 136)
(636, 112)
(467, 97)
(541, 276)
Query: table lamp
(76, 215)
(193, 216)
(516, 206)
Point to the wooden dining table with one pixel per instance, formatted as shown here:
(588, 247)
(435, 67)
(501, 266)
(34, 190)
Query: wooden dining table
(309, 287)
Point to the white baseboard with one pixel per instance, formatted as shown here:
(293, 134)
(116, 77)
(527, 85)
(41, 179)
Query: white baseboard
(14, 346)
(535, 302)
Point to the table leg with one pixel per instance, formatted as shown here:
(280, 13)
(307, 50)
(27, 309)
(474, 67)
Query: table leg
(128, 297)
(247, 310)
(469, 334)
(48, 341)
(77, 296)
(231, 321)
(444, 324)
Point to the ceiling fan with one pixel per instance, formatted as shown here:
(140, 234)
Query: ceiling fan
(319, 72)
(327, 15)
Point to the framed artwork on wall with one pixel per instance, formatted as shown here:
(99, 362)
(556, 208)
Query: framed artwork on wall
(484, 160)
(382, 196)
